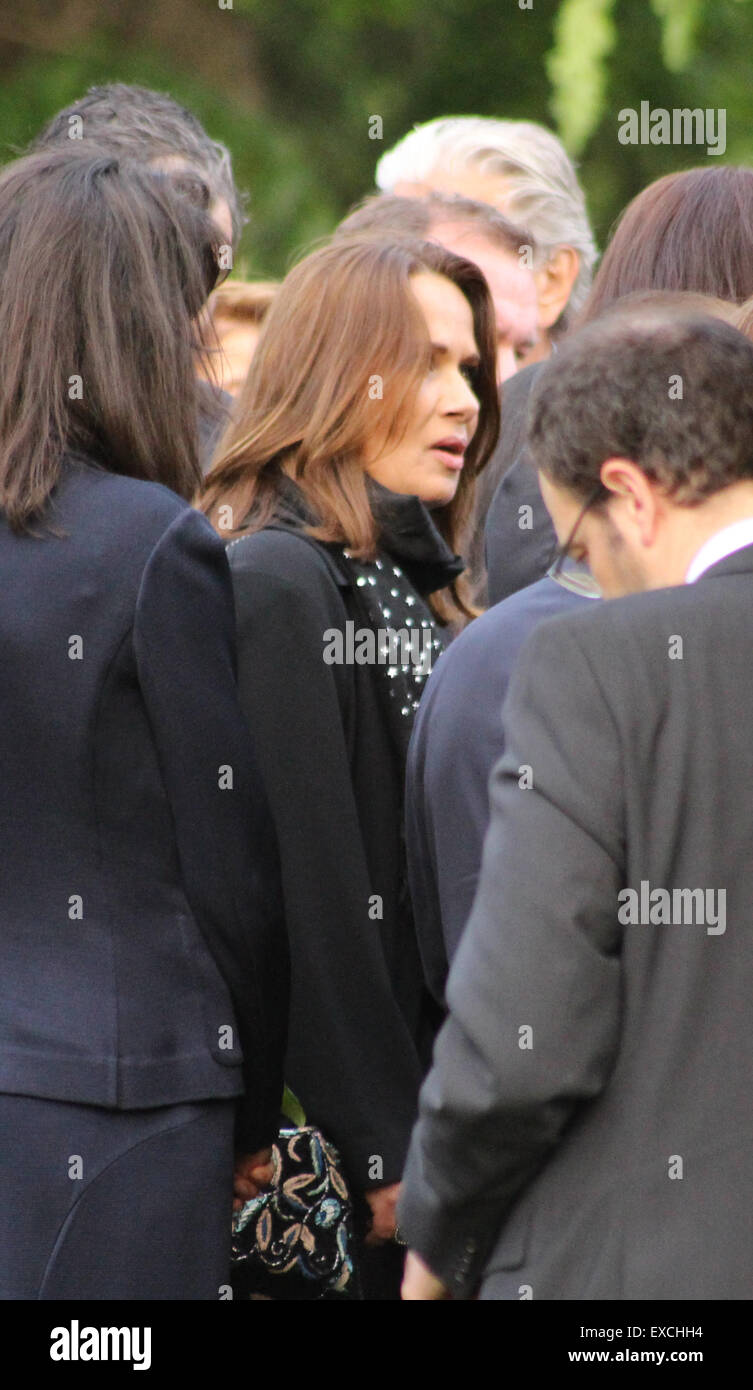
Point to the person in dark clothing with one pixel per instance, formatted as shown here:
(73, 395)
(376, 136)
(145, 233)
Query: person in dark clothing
(143, 966)
(346, 478)
(584, 1132)
(512, 535)
(135, 123)
(455, 743)
(519, 537)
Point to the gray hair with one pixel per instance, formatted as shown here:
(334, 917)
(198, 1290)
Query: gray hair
(543, 190)
(149, 126)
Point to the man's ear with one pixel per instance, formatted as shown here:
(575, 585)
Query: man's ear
(626, 481)
(554, 284)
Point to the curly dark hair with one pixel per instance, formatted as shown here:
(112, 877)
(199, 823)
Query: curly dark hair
(672, 392)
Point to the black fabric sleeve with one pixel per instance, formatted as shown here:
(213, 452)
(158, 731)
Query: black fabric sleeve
(184, 641)
(541, 952)
(351, 1059)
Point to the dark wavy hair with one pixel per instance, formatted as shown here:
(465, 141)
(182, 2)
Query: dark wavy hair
(104, 265)
(606, 394)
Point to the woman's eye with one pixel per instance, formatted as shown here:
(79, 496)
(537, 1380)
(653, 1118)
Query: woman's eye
(469, 372)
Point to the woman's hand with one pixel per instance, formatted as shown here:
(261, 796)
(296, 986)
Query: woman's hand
(383, 1201)
(252, 1173)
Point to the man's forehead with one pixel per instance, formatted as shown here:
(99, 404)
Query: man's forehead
(499, 263)
(471, 182)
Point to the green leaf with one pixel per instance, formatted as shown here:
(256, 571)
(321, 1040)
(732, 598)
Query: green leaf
(292, 1109)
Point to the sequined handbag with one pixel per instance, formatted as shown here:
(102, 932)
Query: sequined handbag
(295, 1241)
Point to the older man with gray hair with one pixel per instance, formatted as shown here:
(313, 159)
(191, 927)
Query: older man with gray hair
(522, 169)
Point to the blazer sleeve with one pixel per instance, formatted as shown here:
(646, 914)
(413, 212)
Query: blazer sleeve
(517, 555)
(534, 992)
(351, 1060)
(455, 743)
(184, 641)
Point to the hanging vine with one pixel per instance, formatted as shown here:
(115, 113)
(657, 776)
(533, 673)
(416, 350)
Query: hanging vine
(585, 34)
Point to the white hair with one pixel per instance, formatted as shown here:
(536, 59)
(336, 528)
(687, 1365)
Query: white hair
(542, 190)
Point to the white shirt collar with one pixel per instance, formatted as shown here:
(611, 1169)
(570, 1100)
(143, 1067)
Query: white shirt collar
(719, 546)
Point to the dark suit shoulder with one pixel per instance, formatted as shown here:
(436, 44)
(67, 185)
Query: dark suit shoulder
(485, 651)
(622, 637)
(517, 388)
(637, 614)
(113, 503)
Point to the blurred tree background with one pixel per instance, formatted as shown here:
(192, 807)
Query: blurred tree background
(290, 85)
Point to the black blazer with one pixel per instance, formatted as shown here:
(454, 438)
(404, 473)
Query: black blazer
(456, 742)
(138, 892)
(607, 1153)
(361, 1024)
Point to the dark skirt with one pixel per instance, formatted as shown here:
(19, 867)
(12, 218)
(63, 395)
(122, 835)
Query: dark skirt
(114, 1204)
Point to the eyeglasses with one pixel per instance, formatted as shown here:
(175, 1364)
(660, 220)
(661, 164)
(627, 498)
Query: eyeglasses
(562, 551)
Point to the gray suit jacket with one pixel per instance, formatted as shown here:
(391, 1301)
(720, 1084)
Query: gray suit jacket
(586, 1131)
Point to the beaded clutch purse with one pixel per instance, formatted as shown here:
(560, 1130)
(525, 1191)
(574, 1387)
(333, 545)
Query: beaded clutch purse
(296, 1240)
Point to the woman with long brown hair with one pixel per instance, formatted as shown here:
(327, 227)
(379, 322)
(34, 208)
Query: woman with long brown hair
(342, 486)
(142, 959)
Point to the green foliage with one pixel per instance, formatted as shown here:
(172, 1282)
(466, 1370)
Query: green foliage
(289, 85)
(680, 20)
(585, 35)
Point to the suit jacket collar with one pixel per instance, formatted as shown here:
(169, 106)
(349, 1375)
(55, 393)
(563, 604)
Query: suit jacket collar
(739, 562)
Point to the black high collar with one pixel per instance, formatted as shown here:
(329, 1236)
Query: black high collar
(406, 531)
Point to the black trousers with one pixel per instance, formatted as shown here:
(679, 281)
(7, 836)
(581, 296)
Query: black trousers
(114, 1204)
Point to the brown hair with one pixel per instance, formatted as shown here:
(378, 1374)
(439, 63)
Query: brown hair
(604, 395)
(744, 320)
(687, 231)
(343, 318)
(103, 267)
(683, 302)
(241, 301)
(386, 213)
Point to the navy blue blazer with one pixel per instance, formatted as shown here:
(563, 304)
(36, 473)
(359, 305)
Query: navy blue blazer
(457, 738)
(142, 952)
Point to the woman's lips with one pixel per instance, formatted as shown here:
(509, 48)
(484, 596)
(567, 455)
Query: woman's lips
(450, 458)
